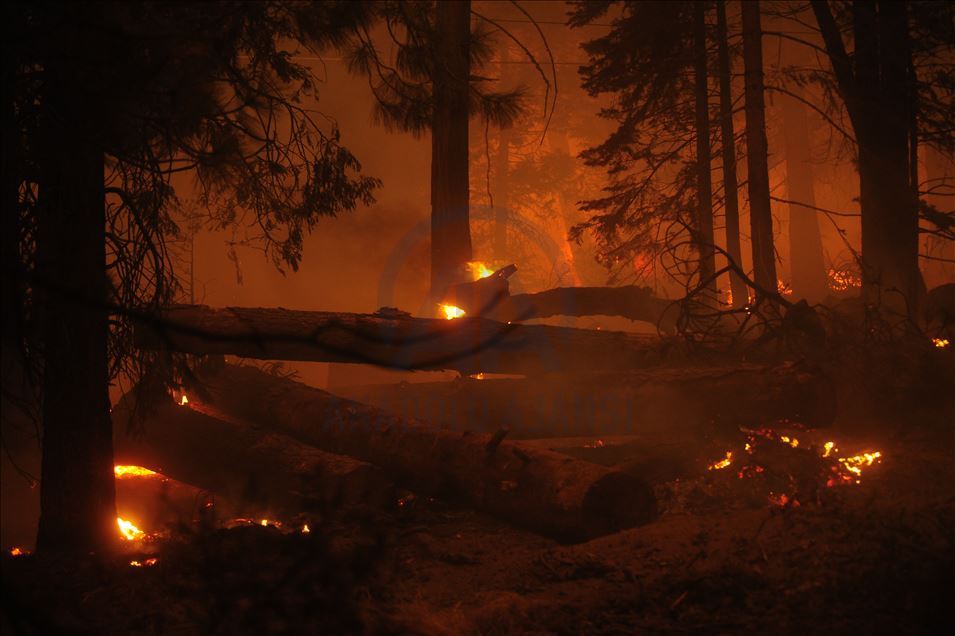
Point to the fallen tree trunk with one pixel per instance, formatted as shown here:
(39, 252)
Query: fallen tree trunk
(468, 345)
(198, 445)
(551, 493)
(489, 298)
(600, 404)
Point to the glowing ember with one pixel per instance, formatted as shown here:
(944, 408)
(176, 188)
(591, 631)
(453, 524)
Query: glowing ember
(789, 440)
(598, 443)
(451, 312)
(18, 552)
(123, 472)
(306, 529)
(941, 343)
(148, 562)
(479, 270)
(855, 463)
(723, 463)
(478, 376)
(783, 288)
(783, 500)
(841, 280)
(129, 531)
(828, 447)
(183, 400)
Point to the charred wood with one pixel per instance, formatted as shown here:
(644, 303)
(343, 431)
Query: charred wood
(545, 491)
(199, 445)
(392, 339)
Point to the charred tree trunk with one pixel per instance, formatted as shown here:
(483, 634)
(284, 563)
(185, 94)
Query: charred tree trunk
(199, 445)
(728, 134)
(450, 223)
(805, 243)
(757, 150)
(469, 345)
(704, 185)
(551, 493)
(77, 497)
(875, 85)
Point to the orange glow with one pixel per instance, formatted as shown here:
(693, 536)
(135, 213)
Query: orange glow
(184, 400)
(855, 463)
(129, 531)
(18, 552)
(841, 280)
(478, 376)
(723, 463)
(941, 343)
(123, 472)
(828, 448)
(479, 270)
(148, 562)
(305, 529)
(451, 312)
(783, 288)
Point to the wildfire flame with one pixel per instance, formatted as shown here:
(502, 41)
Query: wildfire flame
(723, 463)
(306, 529)
(479, 270)
(855, 463)
(123, 472)
(18, 552)
(451, 312)
(129, 531)
(147, 562)
(841, 280)
(941, 343)
(783, 287)
(183, 400)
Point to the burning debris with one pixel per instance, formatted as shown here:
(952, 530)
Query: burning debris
(940, 343)
(843, 279)
(128, 530)
(451, 312)
(126, 472)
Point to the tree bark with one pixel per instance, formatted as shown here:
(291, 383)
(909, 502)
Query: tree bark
(450, 229)
(629, 301)
(77, 497)
(805, 243)
(272, 473)
(468, 345)
(730, 184)
(704, 184)
(551, 493)
(876, 88)
(757, 150)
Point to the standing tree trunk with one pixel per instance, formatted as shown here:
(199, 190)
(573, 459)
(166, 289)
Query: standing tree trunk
(757, 151)
(450, 224)
(730, 185)
(77, 496)
(704, 185)
(805, 243)
(875, 85)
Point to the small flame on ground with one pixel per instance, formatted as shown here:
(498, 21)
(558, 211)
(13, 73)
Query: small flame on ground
(941, 343)
(184, 400)
(598, 443)
(792, 441)
(18, 551)
(306, 529)
(855, 463)
(478, 376)
(132, 471)
(723, 463)
(129, 531)
(147, 562)
(783, 288)
(827, 448)
(451, 312)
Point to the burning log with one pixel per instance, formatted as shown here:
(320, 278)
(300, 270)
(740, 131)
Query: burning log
(394, 339)
(490, 297)
(198, 445)
(539, 489)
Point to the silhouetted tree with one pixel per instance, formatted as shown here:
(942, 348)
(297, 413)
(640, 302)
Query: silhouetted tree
(432, 84)
(111, 101)
(728, 149)
(757, 151)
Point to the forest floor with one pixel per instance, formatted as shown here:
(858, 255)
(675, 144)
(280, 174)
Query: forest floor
(723, 557)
